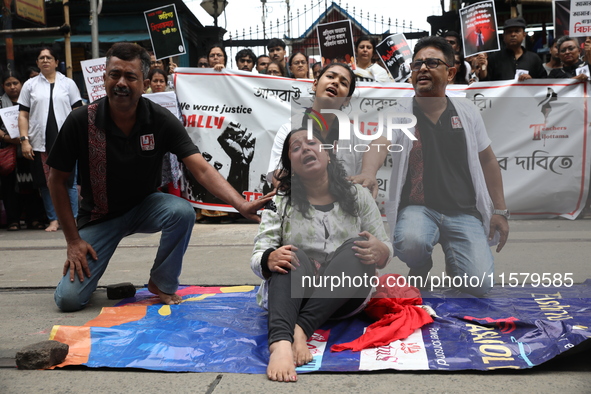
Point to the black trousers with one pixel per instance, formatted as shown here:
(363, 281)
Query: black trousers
(306, 303)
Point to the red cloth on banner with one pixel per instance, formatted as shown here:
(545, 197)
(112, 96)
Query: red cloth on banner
(397, 316)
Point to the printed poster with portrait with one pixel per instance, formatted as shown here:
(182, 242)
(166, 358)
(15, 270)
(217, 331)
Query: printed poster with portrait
(396, 55)
(335, 41)
(479, 28)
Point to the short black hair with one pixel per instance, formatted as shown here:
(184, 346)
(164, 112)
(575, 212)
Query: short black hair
(246, 52)
(437, 43)
(281, 67)
(52, 52)
(129, 51)
(365, 37)
(298, 53)
(31, 69)
(451, 33)
(155, 71)
(11, 74)
(275, 42)
(260, 57)
(217, 45)
(454, 34)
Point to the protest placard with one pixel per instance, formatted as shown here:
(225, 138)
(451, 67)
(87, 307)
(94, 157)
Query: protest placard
(165, 31)
(561, 12)
(395, 53)
(167, 100)
(94, 71)
(479, 28)
(580, 18)
(9, 116)
(335, 41)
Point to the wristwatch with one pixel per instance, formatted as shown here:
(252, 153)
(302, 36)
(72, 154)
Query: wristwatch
(24, 137)
(502, 212)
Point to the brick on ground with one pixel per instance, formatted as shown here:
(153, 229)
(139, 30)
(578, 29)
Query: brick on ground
(41, 355)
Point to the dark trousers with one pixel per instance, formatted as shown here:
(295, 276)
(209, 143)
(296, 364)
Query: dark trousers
(290, 303)
(15, 202)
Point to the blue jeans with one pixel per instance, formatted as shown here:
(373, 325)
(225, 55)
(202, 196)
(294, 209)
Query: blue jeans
(48, 204)
(172, 215)
(462, 237)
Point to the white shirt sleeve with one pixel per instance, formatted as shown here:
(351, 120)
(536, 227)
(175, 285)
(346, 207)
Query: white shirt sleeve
(25, 96)
(73, 92)
(276, 149)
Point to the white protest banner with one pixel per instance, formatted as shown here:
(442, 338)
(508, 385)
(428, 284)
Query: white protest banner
(94, 71)
(167, 100)
(580, 18)
(232, 116)
(539, 132)
(10, 118)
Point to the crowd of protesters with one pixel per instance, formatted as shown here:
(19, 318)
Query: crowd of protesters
(40, 126)
(441, 195)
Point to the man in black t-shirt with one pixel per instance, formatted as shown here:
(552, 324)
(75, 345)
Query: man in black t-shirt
(446, 186)
(119, 142)
(513, 61)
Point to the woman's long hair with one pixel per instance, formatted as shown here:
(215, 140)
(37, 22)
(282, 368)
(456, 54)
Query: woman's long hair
(291, 186)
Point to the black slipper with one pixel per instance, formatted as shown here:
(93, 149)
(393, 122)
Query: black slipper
(36, 225)
(13, 227)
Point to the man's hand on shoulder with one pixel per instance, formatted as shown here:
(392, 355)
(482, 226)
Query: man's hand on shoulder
(249, 209)
(366, 180)
(76, 261)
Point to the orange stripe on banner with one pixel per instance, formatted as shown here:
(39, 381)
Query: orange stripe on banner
(237, 289)
(115, 316)
(78, 339)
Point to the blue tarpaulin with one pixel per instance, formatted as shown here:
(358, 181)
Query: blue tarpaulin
(222, 329)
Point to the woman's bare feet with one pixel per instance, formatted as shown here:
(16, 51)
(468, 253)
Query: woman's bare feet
(301, 353)
(53, 226)
(167, 299)
(281, 367)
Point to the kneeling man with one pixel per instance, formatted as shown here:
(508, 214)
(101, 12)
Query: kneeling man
(119, 142)
(446, 186)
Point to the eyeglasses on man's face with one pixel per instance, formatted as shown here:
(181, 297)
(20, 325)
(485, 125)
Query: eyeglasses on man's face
(431, 62)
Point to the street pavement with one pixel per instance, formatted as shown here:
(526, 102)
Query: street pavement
(31, 263)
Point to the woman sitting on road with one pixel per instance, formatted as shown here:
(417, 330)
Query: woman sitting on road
(348, 239)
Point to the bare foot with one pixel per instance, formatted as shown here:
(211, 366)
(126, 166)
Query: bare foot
(301, 353)
(281, 367)
(167, 299)
(53, 226)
